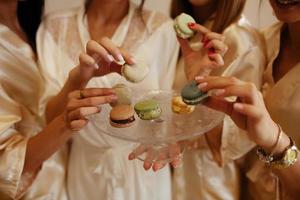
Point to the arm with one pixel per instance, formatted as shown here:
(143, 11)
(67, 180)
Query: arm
(250, 114)
(22, 156)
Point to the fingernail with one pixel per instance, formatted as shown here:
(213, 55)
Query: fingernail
(238, 106)
(109, 58)
(219, 92)
(96, 66)
(114, 98)
(131, 156)
(202, 85)
(147, 166)
(120, 58)
(132, 59)
(198, 78)
(191, 24)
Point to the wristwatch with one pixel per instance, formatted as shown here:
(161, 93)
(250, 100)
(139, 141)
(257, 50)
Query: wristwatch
(288, 157)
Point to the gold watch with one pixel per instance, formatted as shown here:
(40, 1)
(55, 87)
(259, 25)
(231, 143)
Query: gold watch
(288, 157)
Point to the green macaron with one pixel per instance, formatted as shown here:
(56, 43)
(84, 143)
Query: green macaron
(192, 95)
(181, 26)
(148, 109)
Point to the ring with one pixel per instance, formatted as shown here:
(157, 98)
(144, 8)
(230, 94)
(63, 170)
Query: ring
(81, 95)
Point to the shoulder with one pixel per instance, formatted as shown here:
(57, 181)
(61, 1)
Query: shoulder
(242, 33)
(271, 32)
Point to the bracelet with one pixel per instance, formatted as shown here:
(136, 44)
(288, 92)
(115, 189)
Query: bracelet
(279, 135)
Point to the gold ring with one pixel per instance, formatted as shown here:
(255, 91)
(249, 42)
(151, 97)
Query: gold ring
(81, 95)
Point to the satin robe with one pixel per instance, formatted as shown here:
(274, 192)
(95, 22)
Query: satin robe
(200, 176)
(98, 165)
(21, 86)
(282, 99)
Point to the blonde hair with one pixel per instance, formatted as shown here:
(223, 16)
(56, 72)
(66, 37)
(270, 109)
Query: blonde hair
(227, 12)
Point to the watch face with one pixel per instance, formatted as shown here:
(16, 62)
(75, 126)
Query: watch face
(291, 155)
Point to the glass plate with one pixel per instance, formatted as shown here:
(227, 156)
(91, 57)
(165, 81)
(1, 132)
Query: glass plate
(169, 128)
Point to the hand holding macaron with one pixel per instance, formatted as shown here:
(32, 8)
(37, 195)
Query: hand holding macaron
(99, 59)
(86, 102)
(248, 111)
(202, 61)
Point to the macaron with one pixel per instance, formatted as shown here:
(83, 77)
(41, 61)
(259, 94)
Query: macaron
(124, 94)
(122, 116)
(135, 73)
(192, 95)
(181, 26)
(179, 107)
(148, 109)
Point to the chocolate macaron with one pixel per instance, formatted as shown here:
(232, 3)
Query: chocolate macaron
(122, 116)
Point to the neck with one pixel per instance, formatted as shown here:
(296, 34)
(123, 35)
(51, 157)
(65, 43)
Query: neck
(108, 11)
(294, 36)
(8, 13)
(204, 12)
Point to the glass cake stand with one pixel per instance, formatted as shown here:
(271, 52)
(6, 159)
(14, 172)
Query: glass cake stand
(171, 128)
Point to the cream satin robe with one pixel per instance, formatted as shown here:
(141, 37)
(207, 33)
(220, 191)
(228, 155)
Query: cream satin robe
(99, 166)
(200, 176)
(21, 86)
(283, 102)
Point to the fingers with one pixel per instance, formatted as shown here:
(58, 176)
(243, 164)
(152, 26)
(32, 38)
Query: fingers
(91, 92)
(98, 52)
(213, 36)
(82, 113)
(76, 125)
(198, 28)
(91, 102)
(112, 49)
(175, 154)
(151, 156)
(220, 105)
(209, 83)
(251, 111)
(217, 45)
(160, 163)
(184, 46)
(87, 61)
(217, 58)
(138, 151)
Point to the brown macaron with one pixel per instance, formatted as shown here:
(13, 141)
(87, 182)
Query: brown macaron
(122, 116)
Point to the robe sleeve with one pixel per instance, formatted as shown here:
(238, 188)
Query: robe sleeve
(13, 143)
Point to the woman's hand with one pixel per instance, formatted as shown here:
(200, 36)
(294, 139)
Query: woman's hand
(204, 60)
(248, 111)
(99, 59)
(83, 103)
(159, 158)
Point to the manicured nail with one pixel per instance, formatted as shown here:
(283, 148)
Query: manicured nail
(120, 58)
(191, 24)
(202, 85)
(96, 66)
(238, 106)
(109, 58)
(132, 59)
(219, 92)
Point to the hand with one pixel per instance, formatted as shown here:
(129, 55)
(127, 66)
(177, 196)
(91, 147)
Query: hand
(158, 158)
(248, 111)
(99, 59)
(203, 61)
(83, 103)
